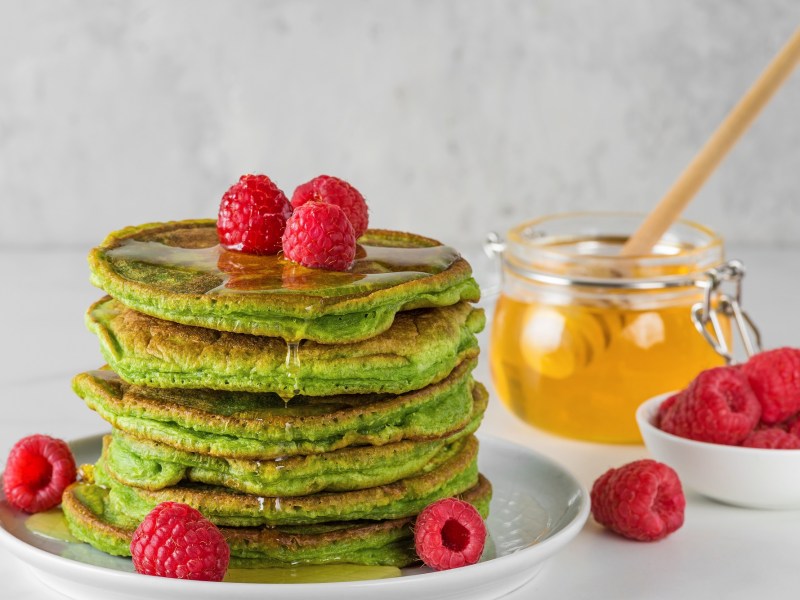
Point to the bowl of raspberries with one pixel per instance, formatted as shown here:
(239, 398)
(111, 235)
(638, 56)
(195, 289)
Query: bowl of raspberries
(733, 434)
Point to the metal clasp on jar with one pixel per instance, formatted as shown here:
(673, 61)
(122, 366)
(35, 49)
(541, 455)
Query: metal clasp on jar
(717, 303)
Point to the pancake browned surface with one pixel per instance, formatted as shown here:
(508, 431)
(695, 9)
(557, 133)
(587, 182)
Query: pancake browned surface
(176, 271)
(420, 348)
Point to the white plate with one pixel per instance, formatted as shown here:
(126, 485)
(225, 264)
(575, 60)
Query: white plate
(537, 508)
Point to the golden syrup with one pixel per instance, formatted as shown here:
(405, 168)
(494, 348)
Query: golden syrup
(292, 365)
(50, 524)
(311, 574)
(580, 338)
(228, 272)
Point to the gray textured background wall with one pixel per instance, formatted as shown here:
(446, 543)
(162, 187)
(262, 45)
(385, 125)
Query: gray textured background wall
(452, 116)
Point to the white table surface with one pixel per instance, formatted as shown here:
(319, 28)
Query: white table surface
(721, 551)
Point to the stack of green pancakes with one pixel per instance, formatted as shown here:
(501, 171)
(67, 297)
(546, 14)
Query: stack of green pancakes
(309, 414)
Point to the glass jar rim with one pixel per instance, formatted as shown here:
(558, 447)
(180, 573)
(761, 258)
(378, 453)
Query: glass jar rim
(528, 249)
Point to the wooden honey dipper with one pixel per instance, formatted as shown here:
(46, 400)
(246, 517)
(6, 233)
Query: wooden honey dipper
(711, 154)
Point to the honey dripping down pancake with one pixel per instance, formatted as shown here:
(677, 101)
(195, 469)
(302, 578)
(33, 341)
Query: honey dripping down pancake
(152, 465)
(262, 427)
(403, 498)
(177, 271)
(420, 348)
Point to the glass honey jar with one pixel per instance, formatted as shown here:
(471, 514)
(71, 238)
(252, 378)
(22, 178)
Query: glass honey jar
(581, 336)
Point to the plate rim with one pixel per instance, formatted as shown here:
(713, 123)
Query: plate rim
(515, 562)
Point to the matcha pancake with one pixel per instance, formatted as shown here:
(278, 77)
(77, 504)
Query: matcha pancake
(421, 347)
(151, 465)
(177, 271)
(402, 498)
(391, 542)
(262, 426)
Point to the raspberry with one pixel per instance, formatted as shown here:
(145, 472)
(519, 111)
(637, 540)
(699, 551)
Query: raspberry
(642, 500)
(175, 540)
(717, 407)
(773, 437)
(449, 533)
(38, 470)
(775, 378)
(253, 215)
(320, 236)
(333, 190)
(665, 408)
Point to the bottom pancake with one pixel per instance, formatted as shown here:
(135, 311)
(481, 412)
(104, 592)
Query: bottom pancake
(388, 543)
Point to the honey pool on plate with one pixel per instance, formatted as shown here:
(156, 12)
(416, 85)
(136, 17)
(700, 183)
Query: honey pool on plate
(581, 337)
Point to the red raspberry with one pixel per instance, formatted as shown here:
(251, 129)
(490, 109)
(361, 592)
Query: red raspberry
(775, 378)
(642, 500)
(717, 407)
(175, 540)
(333, 190)
(320, 236)
(253, 215)
(773, 437)
(793, 425)
(665, 408)
(449, 533)
(38, 470)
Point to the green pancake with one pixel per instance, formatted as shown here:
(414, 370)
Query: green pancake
(152, 465)
(403, 498)
(177, 271)
(389, 542)
(421, 347)
(263, 426)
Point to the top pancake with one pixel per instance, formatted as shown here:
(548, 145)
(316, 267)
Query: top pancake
(178, 272)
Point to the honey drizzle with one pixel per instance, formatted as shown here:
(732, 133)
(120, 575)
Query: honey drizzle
(293, 365)
(311, 574)
(375, 267)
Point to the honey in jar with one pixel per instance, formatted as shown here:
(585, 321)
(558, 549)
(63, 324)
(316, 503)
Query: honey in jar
(581, 337)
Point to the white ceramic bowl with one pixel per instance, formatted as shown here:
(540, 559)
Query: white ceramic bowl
(751, 477)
